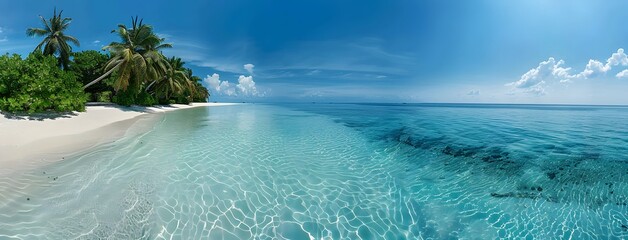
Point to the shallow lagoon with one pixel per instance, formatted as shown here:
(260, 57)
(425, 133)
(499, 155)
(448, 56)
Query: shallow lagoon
(339, 171)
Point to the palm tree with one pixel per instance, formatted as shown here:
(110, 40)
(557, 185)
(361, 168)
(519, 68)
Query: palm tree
(55, 41)
(201, 94)
(137, 58)
(198, 93)
(174, 82)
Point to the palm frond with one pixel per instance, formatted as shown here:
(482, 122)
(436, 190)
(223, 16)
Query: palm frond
(55, 42)
(72, 40)
(31, 32)
(65, 23)
(46, 25)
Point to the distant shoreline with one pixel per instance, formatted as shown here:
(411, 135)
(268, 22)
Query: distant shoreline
(457, 104)
(29, 141)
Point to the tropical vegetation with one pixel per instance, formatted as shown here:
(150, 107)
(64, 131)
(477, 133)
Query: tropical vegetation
(87, 66)
(37, 84)
(131, 71)
(55, 41)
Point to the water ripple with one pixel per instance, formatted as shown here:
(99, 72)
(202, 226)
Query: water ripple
(267, 172)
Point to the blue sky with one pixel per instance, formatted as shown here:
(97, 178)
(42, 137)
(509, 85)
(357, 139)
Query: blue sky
(530, 51)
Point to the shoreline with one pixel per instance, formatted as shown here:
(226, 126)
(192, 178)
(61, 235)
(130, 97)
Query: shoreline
(28, 142)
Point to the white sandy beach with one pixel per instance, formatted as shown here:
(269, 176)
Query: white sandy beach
(36, 140)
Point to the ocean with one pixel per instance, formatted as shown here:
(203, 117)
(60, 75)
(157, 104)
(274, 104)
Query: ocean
(339, 171)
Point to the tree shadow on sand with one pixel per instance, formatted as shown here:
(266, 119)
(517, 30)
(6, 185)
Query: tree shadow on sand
(39, 116)
(50, 115)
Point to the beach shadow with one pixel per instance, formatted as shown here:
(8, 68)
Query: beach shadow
(38, 116)
(145, 109)
(59, 115)
(132, 108)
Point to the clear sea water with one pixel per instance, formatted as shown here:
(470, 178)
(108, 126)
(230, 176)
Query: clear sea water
(339, 171)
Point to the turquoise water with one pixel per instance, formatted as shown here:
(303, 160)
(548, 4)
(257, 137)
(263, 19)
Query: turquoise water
(339, 171)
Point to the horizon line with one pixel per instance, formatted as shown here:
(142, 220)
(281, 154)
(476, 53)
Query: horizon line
(436, 103)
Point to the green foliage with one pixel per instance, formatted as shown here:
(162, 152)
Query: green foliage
(134, 72)
(145, 99)
(136, 59)
(180, 85)
(103, 96)
(55, 41)
(124, 98)
(36, 84)
(174, 81)
(9, 73)
(197, 93)
(129, 97)
(87, 66)
(200, 94)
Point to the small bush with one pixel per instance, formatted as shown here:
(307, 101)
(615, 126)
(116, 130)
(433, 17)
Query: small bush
(130, 97)
(36, 84)
(87, 66)
(103, 96)
(124, 98)
(145, 99)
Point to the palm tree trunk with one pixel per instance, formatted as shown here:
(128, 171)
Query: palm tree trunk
(150, 85)
(101, 77)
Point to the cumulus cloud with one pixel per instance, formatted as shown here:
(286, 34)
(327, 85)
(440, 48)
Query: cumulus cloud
(218, 86)
(213, 81)
(596, 68)
(245, 87)
(227, 88)
(535, 80)
(618, 58)
(249, 68)
(550, 69)
(538, 89)
(622, 74)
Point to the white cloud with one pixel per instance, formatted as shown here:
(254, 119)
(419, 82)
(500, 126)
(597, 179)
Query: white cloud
(551, 71)
(1, 30)
(249, 68)
(622, 74)
(245, 87)
(546, 71)
(97, 43)
(227, 88)
(474, 93)
(218, 86)
(596, 68)
(213, 81)
(538, 89)
(618, 58)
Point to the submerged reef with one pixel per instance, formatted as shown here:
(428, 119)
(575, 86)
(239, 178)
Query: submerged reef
(581, 177)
